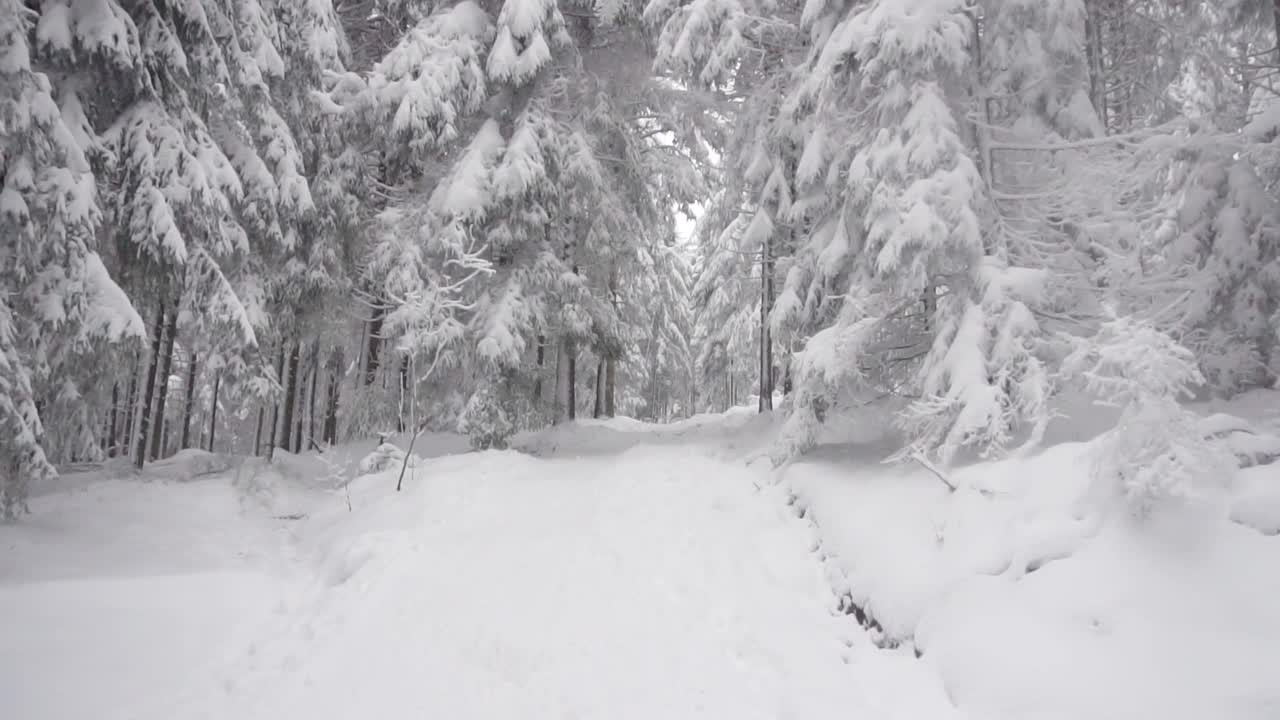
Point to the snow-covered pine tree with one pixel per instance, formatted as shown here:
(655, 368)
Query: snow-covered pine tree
(747, 53)
(726, 305)
(926, 292)
(201, 177)
(420, 103)
(489, 156)
(1224, 225)
(57, 295)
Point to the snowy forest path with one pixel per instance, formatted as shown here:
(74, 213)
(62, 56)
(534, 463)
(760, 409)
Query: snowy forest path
(661, 581)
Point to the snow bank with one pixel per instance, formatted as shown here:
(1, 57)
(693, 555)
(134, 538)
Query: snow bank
(115, 589)
(1034, 598)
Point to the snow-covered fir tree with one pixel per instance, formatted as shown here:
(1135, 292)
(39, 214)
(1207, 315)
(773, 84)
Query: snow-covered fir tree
(286, 224)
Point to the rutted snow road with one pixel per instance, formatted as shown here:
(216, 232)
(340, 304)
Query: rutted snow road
(658, 583)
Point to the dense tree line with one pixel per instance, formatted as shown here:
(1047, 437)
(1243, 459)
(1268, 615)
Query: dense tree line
(253, 224)
(250, 224)
(952, 211)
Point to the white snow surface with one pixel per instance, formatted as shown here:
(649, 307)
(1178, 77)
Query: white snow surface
(616, 569)
(1035, 597)
(664, 580)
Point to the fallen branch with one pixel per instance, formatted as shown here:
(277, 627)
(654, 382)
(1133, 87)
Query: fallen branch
(927, 465)
(409, 453)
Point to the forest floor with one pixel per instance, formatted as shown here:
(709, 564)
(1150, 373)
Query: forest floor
(622, 570)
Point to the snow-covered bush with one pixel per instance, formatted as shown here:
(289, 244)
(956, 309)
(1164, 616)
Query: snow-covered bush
(383, 457)
(485, 420)
(1157, 451)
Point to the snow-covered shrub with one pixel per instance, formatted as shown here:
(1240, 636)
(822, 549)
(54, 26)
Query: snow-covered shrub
(486, 420)
(383, 457)
(1157, 451)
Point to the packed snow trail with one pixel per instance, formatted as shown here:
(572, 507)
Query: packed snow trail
(659, 583)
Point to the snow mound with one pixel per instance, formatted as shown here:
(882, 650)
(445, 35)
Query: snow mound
(1249, 445)
(1033, 597)
(1256, 501)
(383, 457)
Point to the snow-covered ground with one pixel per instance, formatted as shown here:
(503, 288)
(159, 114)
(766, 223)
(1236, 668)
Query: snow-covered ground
(617, 569)
(663, 580)
(1034, 598)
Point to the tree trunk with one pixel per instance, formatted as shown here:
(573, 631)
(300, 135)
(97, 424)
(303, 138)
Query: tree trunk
(404, 393)
(190, 404)
(111, 423)
(162, 391)
(298, 426)
(257, 433)
(598, 410)
(610, 385)
(329, 431)
(1275, 22)
(1097, 68)
(766, 341)
(311, 395)
(213, 412)
(573, 382)
(374, 346)
(144, 419)
(290, 396)
(537, 381)
(299, 405)
(564, 378)
(275, 409)
(125, 443)
(733, 388)
(332, 397)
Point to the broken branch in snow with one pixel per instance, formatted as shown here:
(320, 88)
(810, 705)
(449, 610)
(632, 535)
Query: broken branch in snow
(409, 453)
(927, 465)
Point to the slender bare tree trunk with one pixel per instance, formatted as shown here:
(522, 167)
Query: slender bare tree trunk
(403, 399)
(144, 419)
(162, 391)
(290, 395)
(111, 423)
(1097, 68)
(564, 381)
(1275, 26)
(333, 396)
(125, 443)
(573, 381)
(311, 395)
(374, 346)
(766, 340)
(598, 410)
(275, 409)
(300, 404)
(537, 381)
(191, 397)
(610, 385)
(257, 433)
(213, 412)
